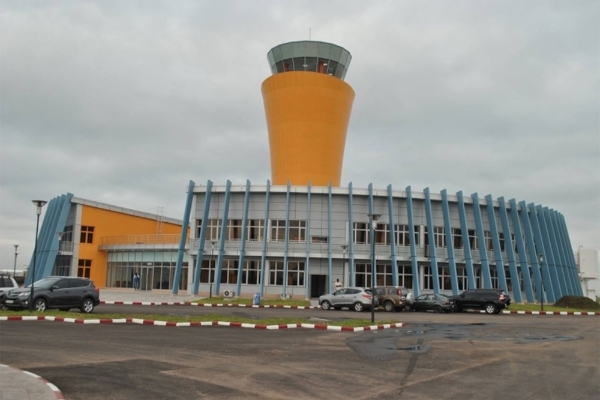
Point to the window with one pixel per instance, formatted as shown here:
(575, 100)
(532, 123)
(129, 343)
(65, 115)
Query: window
(488, 240)
(87, 234)
(403, 235)
(207, 274)
(502, 245)
(363, 275)
(213, 229)
(405, 276)
(229, 271)
(473, 239)
(361, 233)
(256, 229)
(67, 235)
(84, 268)
(319, 239)
(439, 237)
(384, 275)
(251, 273)
(295, 275)
(234, 229)
(382, 234)
(457, 238)
(297, 231)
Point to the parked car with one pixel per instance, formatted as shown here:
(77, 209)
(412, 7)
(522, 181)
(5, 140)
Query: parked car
(355, 298)
(392, 298)
(6, 284)
(60, 292)
(491, 300)
(433, 302)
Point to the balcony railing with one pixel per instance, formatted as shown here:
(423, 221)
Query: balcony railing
(140, 239)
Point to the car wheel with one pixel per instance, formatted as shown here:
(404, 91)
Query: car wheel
(87, 306)
(490, 308)
(325, 305)
(388, 306)
(39, 305)
(437, 308)
(358, 307)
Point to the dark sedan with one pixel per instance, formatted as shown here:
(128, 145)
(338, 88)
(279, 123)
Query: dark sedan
(432, 302)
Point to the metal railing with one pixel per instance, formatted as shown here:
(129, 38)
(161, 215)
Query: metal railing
(140, 239)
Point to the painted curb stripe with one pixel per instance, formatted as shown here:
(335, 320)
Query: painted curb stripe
(52, 387)
(203, 323)
(187, 303)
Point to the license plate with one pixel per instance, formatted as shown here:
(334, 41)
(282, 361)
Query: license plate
(9, 301)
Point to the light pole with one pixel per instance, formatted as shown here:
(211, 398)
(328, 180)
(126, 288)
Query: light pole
(372, 218)
(15, 266)
(210, 268)
(38, 210)
(344, 247)
(541, 257)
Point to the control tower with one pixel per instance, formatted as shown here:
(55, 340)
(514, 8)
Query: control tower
(308, 106)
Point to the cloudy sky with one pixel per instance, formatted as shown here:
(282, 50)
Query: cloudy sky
(124, 102)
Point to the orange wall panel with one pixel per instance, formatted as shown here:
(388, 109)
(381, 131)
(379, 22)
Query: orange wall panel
(307, 118)
(112, 223)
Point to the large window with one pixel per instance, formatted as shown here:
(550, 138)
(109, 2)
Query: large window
(295, 273)
(87, 234)
(473, 239)
(488, 240)
(382, 234)
(256, 229)
(363, 275)
(234, 229)
(213, 229)
(251, 273)
(361, 233)
(405, 276)
(403, 235)
(297, 231)
(457, 238)
(229, 271)
(439, 236)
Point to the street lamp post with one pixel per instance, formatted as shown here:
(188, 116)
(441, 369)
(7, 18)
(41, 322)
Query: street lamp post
(344, 247)
(372, 218)
(38, 204)
(210, 269)
(541, 257)
(15, 266)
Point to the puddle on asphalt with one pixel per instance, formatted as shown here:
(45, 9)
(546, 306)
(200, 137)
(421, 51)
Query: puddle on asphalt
(550, 338)
(419, 348)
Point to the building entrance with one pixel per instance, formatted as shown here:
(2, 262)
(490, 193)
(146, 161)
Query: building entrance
(318, 285)
(146, 275)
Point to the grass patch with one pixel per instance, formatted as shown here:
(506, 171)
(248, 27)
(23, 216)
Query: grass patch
(263, 302)
(199, 318)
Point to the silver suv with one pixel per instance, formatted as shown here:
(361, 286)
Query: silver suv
(354, 298)
(6, 284)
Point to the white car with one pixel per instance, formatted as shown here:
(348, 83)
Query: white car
(6, 284)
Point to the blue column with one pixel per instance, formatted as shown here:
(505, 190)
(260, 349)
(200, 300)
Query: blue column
(510, 252)
(372, 238)
(449, 242)
(238, 289)
(46, 236)
(183, 236)
(574, 272)
(485, 266)
(533, 253)
(287, 239)
(565, 251)
(496, 243)
(464, 230)
(308, 218)
(413, 244)
(431, 236)
(202, 238)
(351, 240)
(265, 236)
(224, 223)
(525, 270)
(559, 258)
(392, 237)
(541, 249)
(522, 251)
(552, 261)
(329, 259)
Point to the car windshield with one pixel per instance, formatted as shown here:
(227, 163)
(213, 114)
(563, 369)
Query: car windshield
(45, 283)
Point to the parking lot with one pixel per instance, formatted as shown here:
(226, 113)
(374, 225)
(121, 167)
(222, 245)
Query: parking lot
(436, 356)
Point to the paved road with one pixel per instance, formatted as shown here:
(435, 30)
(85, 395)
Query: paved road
(455, 356)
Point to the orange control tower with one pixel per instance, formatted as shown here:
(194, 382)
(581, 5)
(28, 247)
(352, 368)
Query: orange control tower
(308, 105)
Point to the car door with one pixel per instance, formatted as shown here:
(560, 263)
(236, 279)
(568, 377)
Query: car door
(78, 289)
(351, 296)
(419, 303)
(58, 296)
(337, 299)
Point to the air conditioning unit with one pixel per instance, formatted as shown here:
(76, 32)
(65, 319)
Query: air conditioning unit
(228, 293)
(286, 296)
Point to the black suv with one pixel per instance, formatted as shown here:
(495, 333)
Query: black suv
(490, 300)
(60, 292)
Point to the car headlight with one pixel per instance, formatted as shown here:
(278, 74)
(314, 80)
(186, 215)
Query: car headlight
(23, 294)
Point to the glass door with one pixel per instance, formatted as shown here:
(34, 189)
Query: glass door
(146, 278)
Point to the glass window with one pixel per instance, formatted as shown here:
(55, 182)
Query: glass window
(255, 230)
(87, 234)
(234, 229)
(361, 233)
(276, 273)
(457, 238)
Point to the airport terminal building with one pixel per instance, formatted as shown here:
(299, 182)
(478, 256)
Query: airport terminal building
(296, 234)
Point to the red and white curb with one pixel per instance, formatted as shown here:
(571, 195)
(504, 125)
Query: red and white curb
(542, 312)
(187, 303)
(54, 389)
(203, 323)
